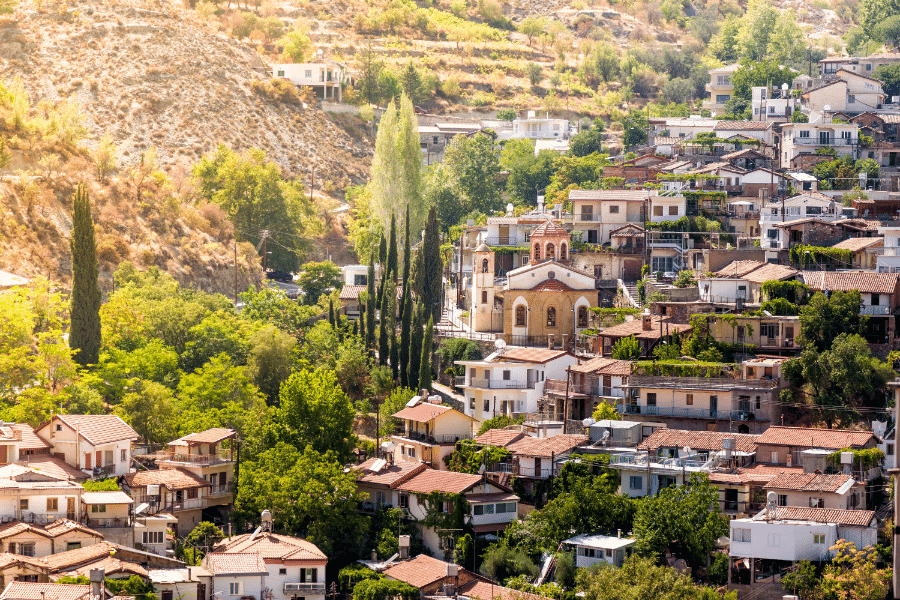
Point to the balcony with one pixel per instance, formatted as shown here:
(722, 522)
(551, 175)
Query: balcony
(588, 217)
(220, 489)
(506, 240)
(431, 438)
(500, 384)
(294, 587)
(108, 523)
(192, 459)
(825, 141)
(687, 413)
(188, 504)
(881, 310)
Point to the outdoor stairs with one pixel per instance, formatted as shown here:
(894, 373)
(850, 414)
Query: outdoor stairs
(631, 287)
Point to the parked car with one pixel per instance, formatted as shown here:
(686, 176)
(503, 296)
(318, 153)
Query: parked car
(282, 276)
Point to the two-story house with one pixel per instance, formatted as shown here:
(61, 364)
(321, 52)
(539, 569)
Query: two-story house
(818, 490)
(866, 251)
(295, 567)
(36, 497)
(880, 294)
(428, 432)
(720, 88)
(597, 213)
(597, 380)
(592, 549)
(537, 458)
(378, 476)
(540, 128)
(809, 205)
(742, 280)
(779, 445)
(237, 575)
(510, 381)
(848, 93)
(37, 541)
(175, 491)
(889, 261)
(327, 77)
(97, 444)
(208, 454)
(799, 139)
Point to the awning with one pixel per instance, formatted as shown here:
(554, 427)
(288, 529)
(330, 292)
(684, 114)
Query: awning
(489, 528)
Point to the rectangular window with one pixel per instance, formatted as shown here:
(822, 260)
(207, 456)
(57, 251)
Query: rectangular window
(478, 510)
(651, 399)
(153, 537)
(282, 571)
(817, 503)
(471, 403)
(636, 482)
(689, 399)
(487, 405)
(488, 509)
(412, 451)
(613, 208)
(23, 504)
(722, 98)
(773, 540)
(280, 74)
(234, 588)
(52, 504)
(876, 299)
(657, 211)
(506, 375)
(73, 545)
(192, 493)
(804, 134)
(819, 538)
(851, 99)
(404, 500)
(773, 458)
(782, 499)
(25, 549)
(673, 210)
(308, 74)
(741, 535)
(98, 508)
(167, 595)
(124, 455)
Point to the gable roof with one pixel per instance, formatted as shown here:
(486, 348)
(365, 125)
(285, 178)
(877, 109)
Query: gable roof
(809, 482)
(210, 436)
(391, 475)
(628, 230)
(228, 563)
(603, 366)
(738, 268)
(807, 437)
(14, 528)
(866, 282)
(636, 328)
(30, 440)
(697, 440)
(272, 546)
(770, 272)
(499, 437)
(111, 566)
(753, 474)
(546, 447)
(171, 479)
(61, 527)
(72, 559)
(97, 429)
(858, 244)
(549, 229)
(534, 355)
(422, 571)
(742, 126)
(26, 590)
(54, 467)
(626, 195)
(484, 590)
(551, 285)
(351, 292)
(743, 154)
(850, 518)
(448, 482)
(423, 412)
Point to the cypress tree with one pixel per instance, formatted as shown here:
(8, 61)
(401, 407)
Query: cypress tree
(432, 266)
(415, 346)
(84, 336)
(405, 271)
(405, 325)
(384, 349)
(394, 340)
(370, 302)
(392, 253)
(382, 263)
(425, 363)
(331, 312)
(356, 327)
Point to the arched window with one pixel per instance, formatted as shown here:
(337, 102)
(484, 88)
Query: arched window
(550, 252)
(551, 317)
(562, 252)
(484, 266)
(582, 316)
(537, 252)
(484, 296)
(520, 315)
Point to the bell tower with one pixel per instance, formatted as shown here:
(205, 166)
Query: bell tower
(481, 315)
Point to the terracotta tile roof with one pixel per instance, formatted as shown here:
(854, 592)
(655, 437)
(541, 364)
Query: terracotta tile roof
(861, 224)
(804, 221)
(805, 437)
(853, 518)
(717, 166)
(99, 429)
(14, 528)
(535, 355)
(111, 497)
(226, 563)
(865, 282)
(72, 559)
(760, 473)
(549, 229)
(630, 230)
(546, 447)
(447, 482)
(422, 412)
(352, 292)
(808, 482)
(420, 572)
(627, 195)
(484, 590)
(30, 440)
(697, 440)
(551, 285)
(742, 126)
(857, 244)
(114, 566)
(25, 590)
(738, 268)
(61, 527)
(391, 475)
(770, 272)
(7, 559)
(272, 546)
(499, 437)
(741, 154)
(604, 366)
(210, 436)
(636, 329)
(54, 467)
(493, 497)
(172, 479)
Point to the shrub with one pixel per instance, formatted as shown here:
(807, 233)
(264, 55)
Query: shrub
(277, 90)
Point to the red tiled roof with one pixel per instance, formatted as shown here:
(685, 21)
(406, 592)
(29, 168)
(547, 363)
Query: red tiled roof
(535, 355)
(420, 571)
(63, 526)
(15, 528)
(549, 229)
(499, 437)
(861, 224)
(742, 126)
(805, 437)
(172, 479)
(857, 518)
(546, 447)
(484, 590)
(604, 366)
(26, 590)
(113, 565)
(626, 195)
(636, 328)
(770, 272)
(422, 412)
(54, 467)
(391, 475)
(738, 268)
(697, 440)
(860, 243)
(98, 429)
(272, 546)
(249, 563)
(71, 559)
(30, 440)
(447, 482)
(808, 482)
(351, 292)
(551, 285)
(210, 436)
(866, 282)
(7, 559)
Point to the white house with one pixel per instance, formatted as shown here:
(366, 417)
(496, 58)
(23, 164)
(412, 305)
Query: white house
(429, 431)
(720, 88)
(806, 138)
(97, 444)
(849, 93)
(889, 262)
(680, 127)
(593, 549)
(190, 583)
(768, 107)
(537, 128)
(599, 212)
(510, 382)
(742, 280)
(810, 205)
(326, 76)
(667, 207)
(236, 576)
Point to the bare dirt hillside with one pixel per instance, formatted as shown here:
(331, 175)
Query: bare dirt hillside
(156, 79)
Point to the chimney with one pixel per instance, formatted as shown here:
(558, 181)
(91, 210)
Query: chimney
(96, 577)
(404, 546)
(619, 534)
(646, 322)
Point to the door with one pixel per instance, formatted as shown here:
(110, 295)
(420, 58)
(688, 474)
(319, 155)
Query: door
(504, 235)
(632, 270)
(201, 591)
(70, 509)
(99, 455)
(87, 460)
(731, 500)
(537, 467)
(592, 236)
(713, 405)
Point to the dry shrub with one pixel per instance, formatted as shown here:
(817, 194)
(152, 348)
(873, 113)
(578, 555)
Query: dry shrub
(112, 249)
(220, 225)
(277, 90)
(147, 257)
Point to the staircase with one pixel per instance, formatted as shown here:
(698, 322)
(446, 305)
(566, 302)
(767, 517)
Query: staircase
(631, 293)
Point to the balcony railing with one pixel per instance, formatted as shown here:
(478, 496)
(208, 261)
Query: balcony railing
(875, 310)
(193, 459)
(220, 489)
(104, 523)
(500, 384)
(188, 504)
(307, 588)
(505, 240)
(587, 217)
(432, 438)
(825, 141)
(687, 413)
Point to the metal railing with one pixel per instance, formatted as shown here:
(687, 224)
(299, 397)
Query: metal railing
(432, 438)
(688, 413)
(296, 586)
(505, 240)
(875, 310)
(655, 461)
(829, 141)
(500, 384)
(194, 459)
(188, 504)
(223, 488)
(112, 522)
(588, 217)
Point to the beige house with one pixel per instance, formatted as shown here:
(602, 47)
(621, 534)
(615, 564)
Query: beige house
(35, 497)
(111, 513)
(850, 93)
(866, 251)
(189, 583)
(720, 88)
(97, 444)
(209, 455)
(817, 490)
(175, 491)
(806, 138)
(784, 445)
(596, 213)
(15, 567)
(429, 432)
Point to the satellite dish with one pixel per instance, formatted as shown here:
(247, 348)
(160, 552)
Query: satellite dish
(499, 344)
(588, 422)
(387, 446)
(510, 207)
(482, 469)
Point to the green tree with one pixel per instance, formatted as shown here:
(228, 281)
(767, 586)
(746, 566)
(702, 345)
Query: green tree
(725, 45)
(685, 519)
(606, 412)
(296, 46)
(757, 28)
(205, 535)
(326, 512)
(802, 580)
(889, 75)
(441, 193)
(150, 409)
(315, 412)
(641, 578)
(406, 307)
(411, 81)
(318, 278)
(787, 43)
(532, 27)
(269, 362)
(428, 278)
(498, 422)
(527, 173)
(589, 140)
(506, 114)
(415, 345)
(425, 362)
(826, 317)
(370, 302)
(383, 343)
(535, 73)
(369, 66)
(501, 561)
(872, 13)
(854, 574)
(473, 167)
(757, 73)
(634, 129)
(454, 349)
(626, 348)
(85, 333)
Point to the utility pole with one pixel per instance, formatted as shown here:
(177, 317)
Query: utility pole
(265, 243)
(895, 473)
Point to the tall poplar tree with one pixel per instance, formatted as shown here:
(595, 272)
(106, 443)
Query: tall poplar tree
(84, 336)
(415, 346)
(425, 362)
(392, 252)
(370, 302)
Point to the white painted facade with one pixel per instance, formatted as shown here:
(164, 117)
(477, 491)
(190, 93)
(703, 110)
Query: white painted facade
(329, 75)
(793, 540)
(600, 549)
(797, 138)
(724, 289)
(114, 458)
(802, 206)
(889, 262)
(667, 208)
(536, 128)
